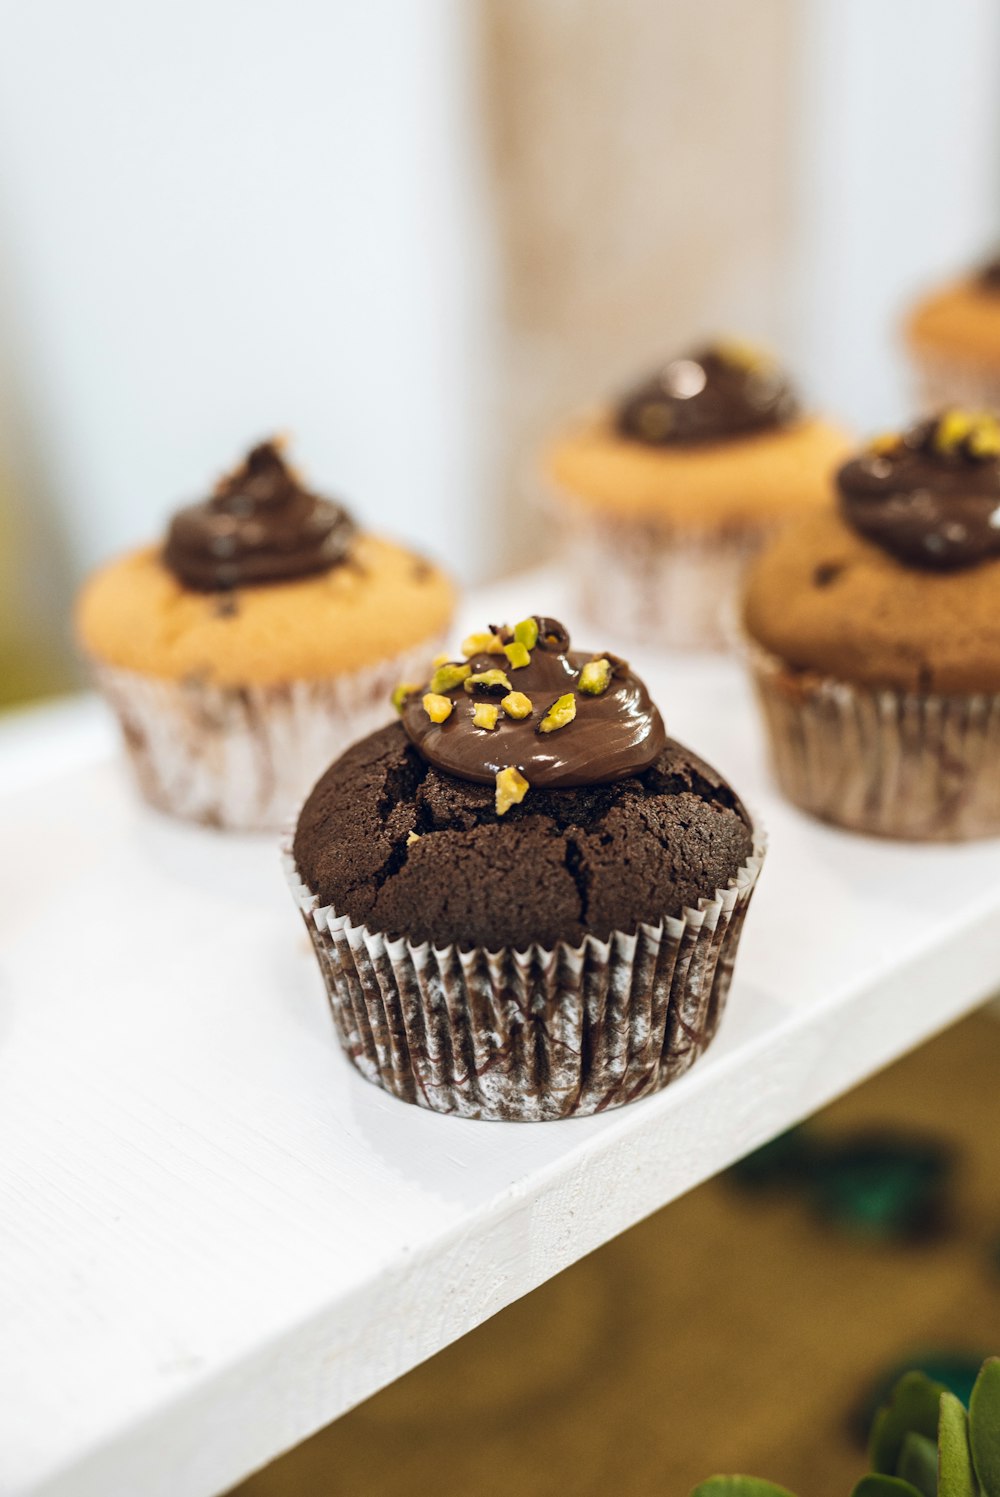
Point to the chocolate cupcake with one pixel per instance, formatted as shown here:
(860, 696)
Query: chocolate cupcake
(524, 897)
(874, 637)
(952, 336)
(256, 642)
(663, 499)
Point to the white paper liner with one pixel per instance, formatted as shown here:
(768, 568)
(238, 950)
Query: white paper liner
(653, 582)
(530, 1036)
(243, 758)
(942, 381)
(910, 765)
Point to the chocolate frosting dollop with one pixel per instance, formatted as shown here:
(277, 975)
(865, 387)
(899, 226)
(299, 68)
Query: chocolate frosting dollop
(988, 275)
(614, 734)
(931, 494)
(721, 390)
(260, 525)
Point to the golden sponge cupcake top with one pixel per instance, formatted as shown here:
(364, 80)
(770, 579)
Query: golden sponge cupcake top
(263, 583)
(714, 437)
(960, 320)
(899, 589)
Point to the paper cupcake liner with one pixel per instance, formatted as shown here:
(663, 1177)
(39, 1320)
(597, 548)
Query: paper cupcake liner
(659, 584)
(529, 1036)
(244, 757)
(918, 766)
(942, 381)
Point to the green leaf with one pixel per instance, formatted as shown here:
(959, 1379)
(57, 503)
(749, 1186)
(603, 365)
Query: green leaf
(879, 1485)
(739, 1486)
(918, 1463)
(913, 1405)
(984, 1427)
(956, 1477)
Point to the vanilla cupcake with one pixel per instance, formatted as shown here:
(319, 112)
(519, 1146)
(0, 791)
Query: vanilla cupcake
(663, 499)
(952, 336)
(255, 643)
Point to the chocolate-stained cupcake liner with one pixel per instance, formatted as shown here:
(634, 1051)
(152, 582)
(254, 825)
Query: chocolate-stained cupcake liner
(535, 1035)
(658, 583)
(911, 765)
(242, 758)
(941, 381)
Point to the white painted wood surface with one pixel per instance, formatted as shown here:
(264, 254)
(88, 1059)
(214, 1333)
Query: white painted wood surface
(214, 1237)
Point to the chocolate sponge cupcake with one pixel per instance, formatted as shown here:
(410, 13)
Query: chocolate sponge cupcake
(257, 641)
(874, 638)
(525, 898)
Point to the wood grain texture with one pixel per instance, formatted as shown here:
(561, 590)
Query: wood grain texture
(214, 1237)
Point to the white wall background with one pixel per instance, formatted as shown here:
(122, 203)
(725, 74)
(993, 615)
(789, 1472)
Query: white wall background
(222, 217)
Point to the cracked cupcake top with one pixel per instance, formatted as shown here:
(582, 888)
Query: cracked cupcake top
(399, 846)
(521, 709)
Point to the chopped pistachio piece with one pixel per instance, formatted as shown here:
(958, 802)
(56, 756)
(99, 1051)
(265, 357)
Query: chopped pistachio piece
(440, 660)
(412, 837)
(485, 714)
(437, 707)
(402, 691)
(448, 676)
(953, 428)
(517, 654)
(486, 643)
(526, 633)
(739, 354)
(516, 704)
(595, 677)
(512, 787)
(562, 711)
(984, 438)
(488, 681)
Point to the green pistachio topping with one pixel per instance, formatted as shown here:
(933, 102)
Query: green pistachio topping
(488, 681)
(437, 707)
(526, 633)
(512, 787)
(486, 643)
(595, 677)
(412, 837)
(517, 705)
(517, 654)
(562, 712)
(447, 677)
(485, 714)
(401, 692)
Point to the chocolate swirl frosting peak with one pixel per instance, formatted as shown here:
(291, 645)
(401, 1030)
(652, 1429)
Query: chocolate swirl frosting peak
(260, 525)
(522, 700)
(929, 495)
(721, 390)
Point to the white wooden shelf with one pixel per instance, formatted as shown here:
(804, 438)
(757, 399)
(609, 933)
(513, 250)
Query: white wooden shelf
(215, 1238)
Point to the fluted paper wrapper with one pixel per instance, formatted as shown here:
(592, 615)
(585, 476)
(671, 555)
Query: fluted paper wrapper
(243, 758)
(529, 1036)
(660, 584)
(942, 381)
(912, 765)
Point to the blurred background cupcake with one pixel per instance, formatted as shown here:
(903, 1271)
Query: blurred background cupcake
(874, 638)
(265, 634)
(953, 340)
(665, 497)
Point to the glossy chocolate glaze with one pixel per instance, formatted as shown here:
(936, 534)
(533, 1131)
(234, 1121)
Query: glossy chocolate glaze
(260, 525)
(614, 735)
(930, 496)
(717, 391)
